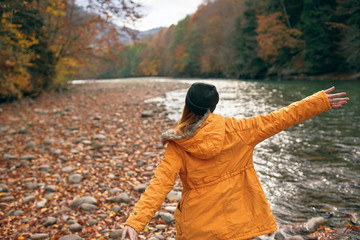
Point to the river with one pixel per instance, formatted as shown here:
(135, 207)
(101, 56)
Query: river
(311, 169)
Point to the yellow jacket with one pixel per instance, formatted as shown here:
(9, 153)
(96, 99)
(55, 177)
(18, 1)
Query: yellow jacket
(222, 197)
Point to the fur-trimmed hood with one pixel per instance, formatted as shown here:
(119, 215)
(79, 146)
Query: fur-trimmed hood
(204, 140)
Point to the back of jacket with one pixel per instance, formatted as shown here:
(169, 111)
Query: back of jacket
(222, 197)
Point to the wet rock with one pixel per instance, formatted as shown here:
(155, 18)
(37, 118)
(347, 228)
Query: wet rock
(75, 178)
(141, 187)
(70, 237)
(168, 218)
(68, 169)
(4, 188)
(50, 188)
(27, 157)
(29, 199)
(41, 203)
(314, 223)
(8, 157)
(49, 221)
(88, 207)
(40, 236)
(121, 198)
(174, 195)
(86, 199)
(92, 221)
(116, 234)
(75, 227)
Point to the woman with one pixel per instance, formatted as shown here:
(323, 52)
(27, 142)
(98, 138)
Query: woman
(222, 197)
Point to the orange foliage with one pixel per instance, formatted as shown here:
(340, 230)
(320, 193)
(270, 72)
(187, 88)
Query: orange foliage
(273, 35)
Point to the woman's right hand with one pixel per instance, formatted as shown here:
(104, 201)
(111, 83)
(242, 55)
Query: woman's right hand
(129, 231)
(334, 99)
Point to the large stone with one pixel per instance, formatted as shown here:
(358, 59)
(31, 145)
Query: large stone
(70, 237)
(121, 198)
(314, 223)
(86, 199)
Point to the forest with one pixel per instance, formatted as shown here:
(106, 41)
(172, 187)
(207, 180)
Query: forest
(45, 43)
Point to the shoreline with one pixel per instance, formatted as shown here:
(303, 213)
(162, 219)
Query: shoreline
(100, 141)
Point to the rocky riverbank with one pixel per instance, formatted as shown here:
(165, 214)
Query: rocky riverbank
(73, 164)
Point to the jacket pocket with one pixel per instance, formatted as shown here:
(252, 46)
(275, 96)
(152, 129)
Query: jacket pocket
(178, 221)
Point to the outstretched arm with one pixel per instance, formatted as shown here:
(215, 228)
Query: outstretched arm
(262, 127)
(335, 100)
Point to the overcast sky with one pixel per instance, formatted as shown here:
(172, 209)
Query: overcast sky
(161, 13)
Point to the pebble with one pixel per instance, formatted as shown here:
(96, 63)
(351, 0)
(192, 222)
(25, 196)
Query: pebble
(116, 209)
(4, 188)
(296, 237)
(68, 169)
(31, 185)
(168, 218)
(147, 113)
(88, 207)
(141, 187)
(29, 199)
(75, 178)
(115, 234)
(140, 163)
(161, 226)
(99, 137)
(170, 209)
(121, 198)
(111, 176)
(314, 223)
(8, 199)
(49, 221)
(44, 168)
(39, 236)
(103, 215)
(7, 157)
(174, 195)
(115, 190)
(75, 227)
(41, 203)
(279, 236)
(50, 188)
(92, 221)
(86, 199)
(27, 157)
(18, 213)
(70, 237)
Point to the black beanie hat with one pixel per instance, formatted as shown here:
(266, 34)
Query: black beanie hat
(201, 97)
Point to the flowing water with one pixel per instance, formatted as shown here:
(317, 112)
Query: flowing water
(311, 169)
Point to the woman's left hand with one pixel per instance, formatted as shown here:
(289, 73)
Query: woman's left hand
(129, 231)
(335, 99)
